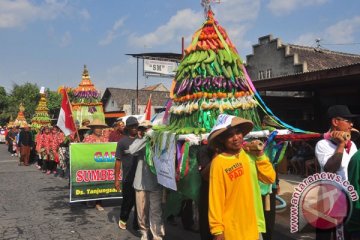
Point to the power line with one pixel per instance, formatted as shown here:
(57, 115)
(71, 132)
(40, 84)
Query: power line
(341, 43)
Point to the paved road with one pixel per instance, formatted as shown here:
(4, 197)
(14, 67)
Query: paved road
(36, 206)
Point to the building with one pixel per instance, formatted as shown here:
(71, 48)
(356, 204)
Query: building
(299, 83)
(158, 87)
(119, 102)
(271, 58)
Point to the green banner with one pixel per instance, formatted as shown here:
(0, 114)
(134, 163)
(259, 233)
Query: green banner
(92, 171)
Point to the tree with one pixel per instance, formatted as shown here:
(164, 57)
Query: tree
(27, 94)
(53, 103)
(4, 101)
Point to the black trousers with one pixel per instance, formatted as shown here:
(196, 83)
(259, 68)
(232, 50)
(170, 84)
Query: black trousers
(269, 216)
(39, 162)
(186, 213)
(330, 234)
(327, 234)
(49, 165)
(10, 147)
(128, 203)
(203, 212)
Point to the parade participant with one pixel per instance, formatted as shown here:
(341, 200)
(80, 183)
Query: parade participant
(128, 163)
(25, 144)
(37, 147)
(106, 132)
(256, 183)
(33, 155)
(334, 154)
(204, 157)
(10, 139)
(84, 123)
(82, 132)
(48, 148)
(16, 148)
(147, 190)
(303, 152)
(96, 136)
(62, 152)
(64, 156)
(352, 225)
(96, 127)
(45, 142)
(56, 139)
(118, 132)
(269, 191)
(232, 212)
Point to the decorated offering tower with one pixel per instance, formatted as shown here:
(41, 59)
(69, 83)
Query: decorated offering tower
(20, 119)
(86, 103)
(210, 80)
(11, 122)
(41, 117)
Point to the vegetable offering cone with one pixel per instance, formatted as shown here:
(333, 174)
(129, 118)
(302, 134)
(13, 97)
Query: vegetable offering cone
(20, 119)
(210, 81)
(41, 117)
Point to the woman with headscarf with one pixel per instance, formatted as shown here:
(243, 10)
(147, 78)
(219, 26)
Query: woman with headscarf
(96, 136)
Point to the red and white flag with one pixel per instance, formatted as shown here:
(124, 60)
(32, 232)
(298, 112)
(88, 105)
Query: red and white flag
(148, 109)
(65, 121)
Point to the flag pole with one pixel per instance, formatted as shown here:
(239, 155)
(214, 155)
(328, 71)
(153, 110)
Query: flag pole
(68, 99)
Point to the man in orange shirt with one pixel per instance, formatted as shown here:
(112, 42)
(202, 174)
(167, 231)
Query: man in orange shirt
(232, 212)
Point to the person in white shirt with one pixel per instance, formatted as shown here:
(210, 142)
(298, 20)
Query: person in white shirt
(334, 153)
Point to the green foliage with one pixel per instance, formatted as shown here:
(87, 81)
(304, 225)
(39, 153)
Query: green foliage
(3, 106)
(3, 99)
(27, 94)
(53, 103)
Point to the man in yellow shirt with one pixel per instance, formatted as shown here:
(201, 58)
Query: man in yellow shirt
(232, 212)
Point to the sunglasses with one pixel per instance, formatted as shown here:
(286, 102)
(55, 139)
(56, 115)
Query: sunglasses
(345, 120)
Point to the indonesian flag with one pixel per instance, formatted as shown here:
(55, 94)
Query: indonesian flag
(148, 109)
(65, 121)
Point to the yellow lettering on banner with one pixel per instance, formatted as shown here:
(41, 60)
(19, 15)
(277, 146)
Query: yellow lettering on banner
(98, 191)
(79, 192)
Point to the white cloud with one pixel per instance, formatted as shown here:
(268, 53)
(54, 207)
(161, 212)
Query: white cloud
(340, 32)
(17, 13)
(65, 39)
(122, 74)
(343, 31)
(237, 11)
(308, 39)
(113, 33)
(183, 23)
(234, 15)
(284, 7)
(84, 14)
(237, 35)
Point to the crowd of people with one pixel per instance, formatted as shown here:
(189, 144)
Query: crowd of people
(239, 181)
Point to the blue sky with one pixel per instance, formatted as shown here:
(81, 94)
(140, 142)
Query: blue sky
(48, 41)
